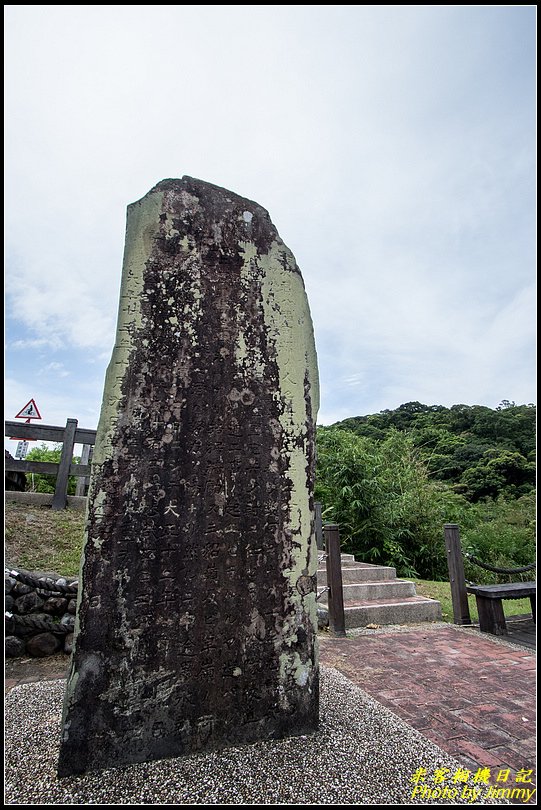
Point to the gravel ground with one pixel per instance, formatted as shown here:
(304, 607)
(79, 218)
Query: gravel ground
(362, 754)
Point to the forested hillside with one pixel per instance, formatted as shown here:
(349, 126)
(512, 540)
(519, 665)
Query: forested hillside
(394, 478)
(481, 451)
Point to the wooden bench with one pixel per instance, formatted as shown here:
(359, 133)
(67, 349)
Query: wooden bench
(489, 603)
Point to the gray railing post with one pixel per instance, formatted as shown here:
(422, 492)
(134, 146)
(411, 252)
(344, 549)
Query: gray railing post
(335, 601)
(60, 497)
(319, 526)
(457, 578)
(82, 482)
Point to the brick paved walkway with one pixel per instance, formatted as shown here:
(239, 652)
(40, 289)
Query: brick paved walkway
(9, 683)
(469, 693)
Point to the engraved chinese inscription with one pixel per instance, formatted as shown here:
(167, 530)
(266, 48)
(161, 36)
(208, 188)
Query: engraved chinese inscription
(196, 623)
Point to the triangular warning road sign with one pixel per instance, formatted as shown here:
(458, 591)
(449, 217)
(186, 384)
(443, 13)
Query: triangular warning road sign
(30, 411)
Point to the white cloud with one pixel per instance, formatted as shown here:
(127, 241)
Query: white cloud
(53, 342)
(54, 370)
(393, 148)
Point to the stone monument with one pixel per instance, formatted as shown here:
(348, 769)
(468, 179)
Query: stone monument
(196, 621)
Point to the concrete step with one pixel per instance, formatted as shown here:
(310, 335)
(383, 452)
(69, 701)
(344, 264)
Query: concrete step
(393, 589)
(373, 595)
(404, 610)
(358, 572)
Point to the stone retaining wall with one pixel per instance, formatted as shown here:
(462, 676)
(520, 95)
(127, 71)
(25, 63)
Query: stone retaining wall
(39, 620)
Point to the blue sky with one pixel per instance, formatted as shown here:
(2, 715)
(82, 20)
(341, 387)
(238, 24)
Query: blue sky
(394, 148)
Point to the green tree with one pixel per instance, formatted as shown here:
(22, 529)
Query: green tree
(391, 506)
(37, 482)
(380, 493)
(454, 442)
(501, 533)
(499, 473)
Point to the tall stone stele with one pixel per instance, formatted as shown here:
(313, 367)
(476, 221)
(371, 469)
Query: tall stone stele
(196, 623)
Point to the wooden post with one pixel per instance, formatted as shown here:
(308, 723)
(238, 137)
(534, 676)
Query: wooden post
(60, 497)
(457, 578)
(337, 622)
(319, 526)
(82, 481)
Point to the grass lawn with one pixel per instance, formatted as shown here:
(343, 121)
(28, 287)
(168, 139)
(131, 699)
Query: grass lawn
(442, 592)
(38, 539)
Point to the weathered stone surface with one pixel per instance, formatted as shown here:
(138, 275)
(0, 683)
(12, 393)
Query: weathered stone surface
(29, 603)
(14, 646)
(44, 644)
(19, 589)
(196, 625)
(322, 618)
(10, 583)
(55, 605)
(72, 606)
(67, 620)
(68, 643)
